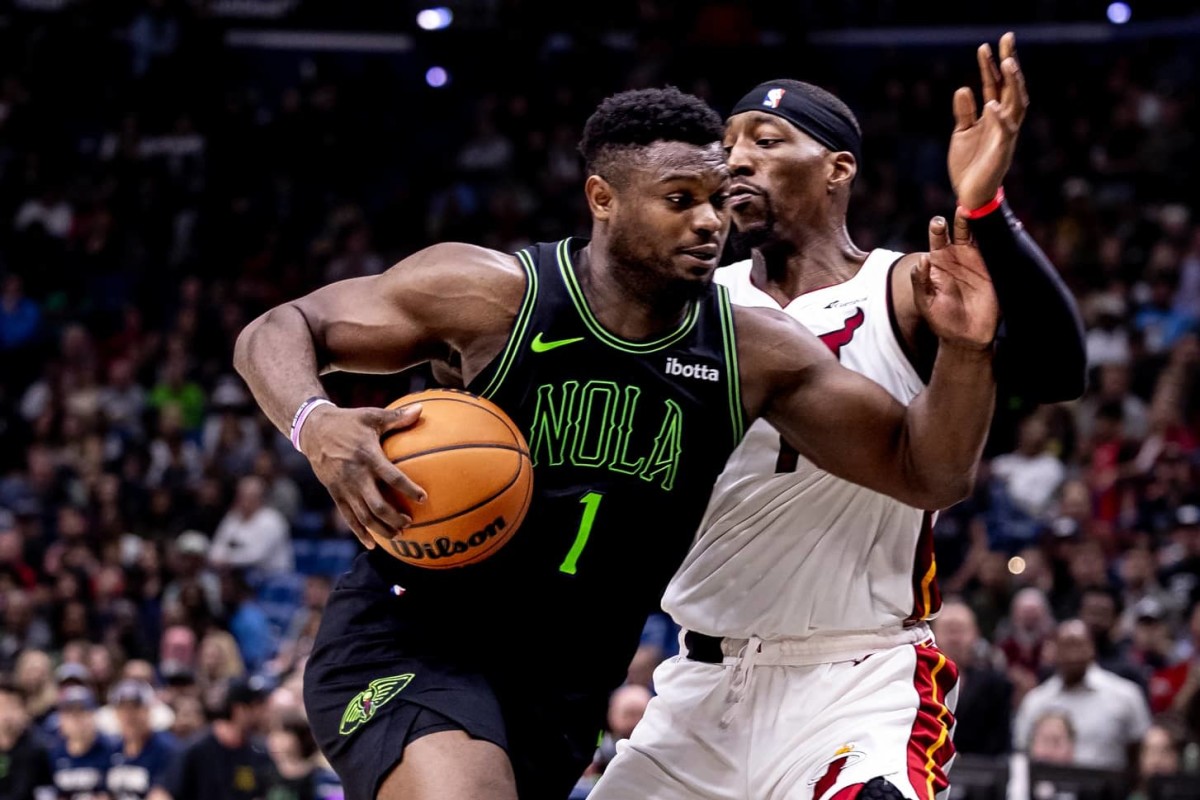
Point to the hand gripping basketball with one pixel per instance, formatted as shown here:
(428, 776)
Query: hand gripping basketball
(476, 463)
(342, 445)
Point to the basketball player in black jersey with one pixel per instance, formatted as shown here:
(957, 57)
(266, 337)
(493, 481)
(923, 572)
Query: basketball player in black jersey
(632, 379)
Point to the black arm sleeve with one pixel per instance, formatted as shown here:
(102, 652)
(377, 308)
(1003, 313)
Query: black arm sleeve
(1040, 353)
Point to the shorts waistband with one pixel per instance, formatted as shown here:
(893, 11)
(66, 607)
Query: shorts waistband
(820, 649)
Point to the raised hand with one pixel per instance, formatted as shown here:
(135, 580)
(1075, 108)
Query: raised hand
(952, 289)
(982, 146)
(342, 444)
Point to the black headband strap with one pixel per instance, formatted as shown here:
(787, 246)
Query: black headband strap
(819, 121)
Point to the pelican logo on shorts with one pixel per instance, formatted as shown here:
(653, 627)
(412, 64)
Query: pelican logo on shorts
(445, 546)
(774, 97)
(378, 693)
(697, 371)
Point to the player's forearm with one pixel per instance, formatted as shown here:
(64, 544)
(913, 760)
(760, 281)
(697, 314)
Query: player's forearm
(1040, 351)
(946, 427)
(277, 357)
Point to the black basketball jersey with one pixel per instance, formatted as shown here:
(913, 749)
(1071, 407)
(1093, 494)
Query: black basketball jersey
(626, 440)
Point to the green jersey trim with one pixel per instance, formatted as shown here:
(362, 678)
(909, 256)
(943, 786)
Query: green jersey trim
(734, 375)
(567, 268)
(509, 355)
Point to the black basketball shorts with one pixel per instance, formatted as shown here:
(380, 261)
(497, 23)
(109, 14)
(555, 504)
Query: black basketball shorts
(376, 681)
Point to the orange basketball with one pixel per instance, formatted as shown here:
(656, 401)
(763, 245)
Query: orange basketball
(474, 466)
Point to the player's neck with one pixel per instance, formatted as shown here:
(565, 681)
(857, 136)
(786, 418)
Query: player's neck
(789, 270)
(625, 301)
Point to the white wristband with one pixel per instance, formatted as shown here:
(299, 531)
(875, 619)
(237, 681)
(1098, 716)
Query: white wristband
(301, 415)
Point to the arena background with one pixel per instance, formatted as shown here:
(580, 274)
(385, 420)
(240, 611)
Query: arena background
(168, 170)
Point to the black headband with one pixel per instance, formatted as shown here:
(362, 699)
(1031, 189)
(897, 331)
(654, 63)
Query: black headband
(818, 120)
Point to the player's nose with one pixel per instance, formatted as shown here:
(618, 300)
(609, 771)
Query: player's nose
(707, 220)
(737, 158)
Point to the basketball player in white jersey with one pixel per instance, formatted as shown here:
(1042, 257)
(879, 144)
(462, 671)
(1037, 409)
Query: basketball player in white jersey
(808, 671)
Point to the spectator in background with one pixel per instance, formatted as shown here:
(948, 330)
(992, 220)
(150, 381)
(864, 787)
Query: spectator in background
(218, 660)
(626, 706)
(1112, 386)
(1108, 713)
(81, 758)
(174, 390)
(24, 629)
(1139, 582)
(984, 710)
(26, 775)
(143, 755)
(300, 771)
(229, 761)
(123, 401)
(34, 677)
(190, 565)
(298, 639)
(1099, 609)
(1022, 638)
(1030, 474)
(136, 673)
(20, 317)
(1107, 338)
(253, 535)
(1160, 324)
(1053, 739)
(189, 717)
(282, 493)
(1160, 754)
(1167, 683)
(1181, 558)
(247, 621)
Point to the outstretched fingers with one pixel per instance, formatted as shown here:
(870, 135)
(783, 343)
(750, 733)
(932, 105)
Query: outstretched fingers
(938, 234)
(989, 73)
(965, 112)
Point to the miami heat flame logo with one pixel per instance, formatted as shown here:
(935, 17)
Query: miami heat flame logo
(774, 98)
(362, 708)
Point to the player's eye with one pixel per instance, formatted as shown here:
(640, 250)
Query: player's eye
(680, 199)
(765, 142)
(719, 199)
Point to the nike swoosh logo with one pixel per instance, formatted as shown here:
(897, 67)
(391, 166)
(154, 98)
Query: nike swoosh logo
(538, 346)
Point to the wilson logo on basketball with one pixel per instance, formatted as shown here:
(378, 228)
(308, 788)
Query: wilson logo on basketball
(444, 546)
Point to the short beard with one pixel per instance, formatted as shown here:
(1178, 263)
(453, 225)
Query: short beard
(762, 236)
(653, 279)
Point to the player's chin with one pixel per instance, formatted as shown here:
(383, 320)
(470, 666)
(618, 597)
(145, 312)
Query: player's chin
(697, 268)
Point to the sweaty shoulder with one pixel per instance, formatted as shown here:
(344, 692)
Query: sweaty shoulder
(773, 351)
(467, 295)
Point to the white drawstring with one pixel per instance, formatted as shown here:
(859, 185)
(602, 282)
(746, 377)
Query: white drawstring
(741, 678)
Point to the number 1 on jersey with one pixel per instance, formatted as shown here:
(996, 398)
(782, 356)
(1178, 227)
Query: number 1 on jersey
(591, 502)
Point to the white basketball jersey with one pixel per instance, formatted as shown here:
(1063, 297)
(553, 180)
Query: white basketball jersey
(787, 550)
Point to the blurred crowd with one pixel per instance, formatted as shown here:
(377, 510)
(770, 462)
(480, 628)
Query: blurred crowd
(165, 554)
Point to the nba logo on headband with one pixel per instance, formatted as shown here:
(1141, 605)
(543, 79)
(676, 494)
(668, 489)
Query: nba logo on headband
(773, 98)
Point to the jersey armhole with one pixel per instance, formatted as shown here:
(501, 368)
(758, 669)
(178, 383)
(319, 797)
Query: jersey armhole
(922, 372)
(502, 363)
(737, 416)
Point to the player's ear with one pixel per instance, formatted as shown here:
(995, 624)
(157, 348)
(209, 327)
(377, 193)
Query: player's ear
(842, 169)
(600, 197)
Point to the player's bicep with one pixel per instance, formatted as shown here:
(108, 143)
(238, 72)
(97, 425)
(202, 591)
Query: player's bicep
(414, 312)
(843, 422)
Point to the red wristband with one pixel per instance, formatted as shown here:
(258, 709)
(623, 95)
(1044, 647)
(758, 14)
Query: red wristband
(986, 208)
